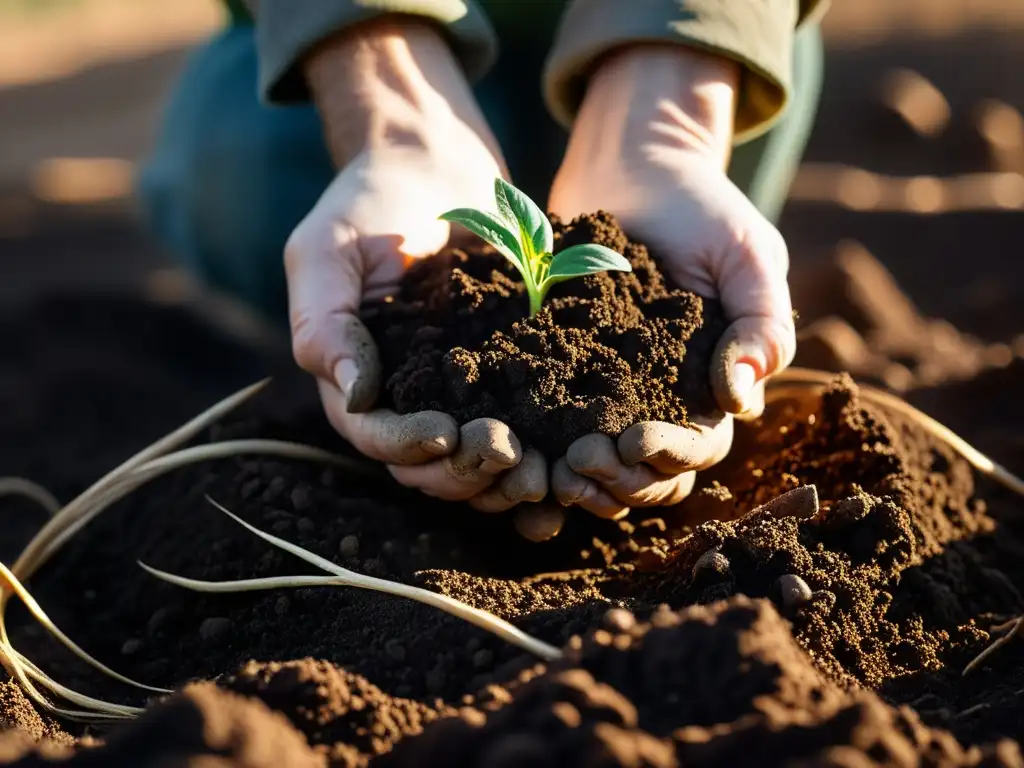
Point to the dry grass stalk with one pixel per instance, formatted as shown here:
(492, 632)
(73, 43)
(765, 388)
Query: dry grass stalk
(147, 465)
(344, 577)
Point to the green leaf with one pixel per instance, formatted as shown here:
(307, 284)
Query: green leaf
(489, 227)
(521, 213)
(585, 259)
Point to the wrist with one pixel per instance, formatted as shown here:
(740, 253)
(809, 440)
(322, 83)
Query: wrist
(391, 82)
(662, 95)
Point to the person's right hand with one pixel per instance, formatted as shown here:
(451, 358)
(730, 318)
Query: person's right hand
(419, 154)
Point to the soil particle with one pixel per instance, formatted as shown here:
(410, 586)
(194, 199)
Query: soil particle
(605, 352)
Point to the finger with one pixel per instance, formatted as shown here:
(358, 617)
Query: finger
(527, 481)
(539, 522)
(571, 489)
(436, 479)
(594, 456)
(386, 436)
(486, 447)
(324, 292)
(755, 404)
(761, 339)
(672, 449)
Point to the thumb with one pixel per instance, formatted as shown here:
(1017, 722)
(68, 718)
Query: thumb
(761, 339)
(325, 285)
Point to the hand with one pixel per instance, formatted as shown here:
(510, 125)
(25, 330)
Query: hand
(651, 146)
(401, 123)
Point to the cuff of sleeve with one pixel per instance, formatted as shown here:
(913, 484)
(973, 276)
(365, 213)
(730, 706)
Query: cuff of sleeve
(287, 30)
(756, 33)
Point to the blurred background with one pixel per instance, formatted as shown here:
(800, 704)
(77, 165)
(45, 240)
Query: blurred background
(916, 163)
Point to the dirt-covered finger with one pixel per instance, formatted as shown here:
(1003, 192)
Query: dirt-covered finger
(386, 436)
(751, 350)
(526, 482)
(572, 489)
(755, 404)
(539, 522)
(595, 457)
(486, 447)
(435, 479)
(672, 449)
(324, 293)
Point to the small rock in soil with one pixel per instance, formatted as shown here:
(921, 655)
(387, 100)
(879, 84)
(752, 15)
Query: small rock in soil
(301, 497)
(131, 646)
(305, 526)
(794, 591)
(801, 503)
(349, 546)
(214, 627)
(711, 561)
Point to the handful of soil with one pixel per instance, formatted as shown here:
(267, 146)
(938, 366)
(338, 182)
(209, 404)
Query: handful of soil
(606, 351)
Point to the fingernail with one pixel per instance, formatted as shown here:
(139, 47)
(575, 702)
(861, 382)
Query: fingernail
(346, 373)
(744, 377)
(438, 446)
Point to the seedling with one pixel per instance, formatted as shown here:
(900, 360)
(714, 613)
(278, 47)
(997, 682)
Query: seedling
(522, 234)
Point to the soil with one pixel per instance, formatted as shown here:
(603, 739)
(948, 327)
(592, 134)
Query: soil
(605, 351)
(709, 634)
(682, 644)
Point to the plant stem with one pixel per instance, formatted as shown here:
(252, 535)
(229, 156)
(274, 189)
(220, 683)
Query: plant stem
(535, 301)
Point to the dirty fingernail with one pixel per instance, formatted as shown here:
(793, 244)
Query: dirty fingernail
(346, 374)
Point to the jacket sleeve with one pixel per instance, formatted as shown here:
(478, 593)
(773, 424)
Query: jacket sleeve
(758, 34)
(287, 29)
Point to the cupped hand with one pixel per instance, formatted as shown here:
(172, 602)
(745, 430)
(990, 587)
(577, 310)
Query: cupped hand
(401, 124)
(379, 214)
(651, 146)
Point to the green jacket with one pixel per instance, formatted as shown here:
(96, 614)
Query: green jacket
(756, 33)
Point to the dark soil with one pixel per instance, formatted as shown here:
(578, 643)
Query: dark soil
(704, 635)
(605, 352)
(680, 645)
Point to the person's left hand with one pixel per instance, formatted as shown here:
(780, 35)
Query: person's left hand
(650, 145)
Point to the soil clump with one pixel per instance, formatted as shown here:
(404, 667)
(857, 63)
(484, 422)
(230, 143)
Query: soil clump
(606, 351)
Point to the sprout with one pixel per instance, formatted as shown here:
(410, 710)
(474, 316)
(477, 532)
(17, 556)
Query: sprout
(522, 233)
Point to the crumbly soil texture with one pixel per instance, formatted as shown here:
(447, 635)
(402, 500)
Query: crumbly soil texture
(606, 351)
(699, 635)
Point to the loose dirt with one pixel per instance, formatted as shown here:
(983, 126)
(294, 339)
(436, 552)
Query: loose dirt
(605, 352)
(834, 640)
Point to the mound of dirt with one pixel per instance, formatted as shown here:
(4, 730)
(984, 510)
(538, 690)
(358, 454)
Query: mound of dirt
(856, 318)
(710, 685)
(605, 352)
(878, 591)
